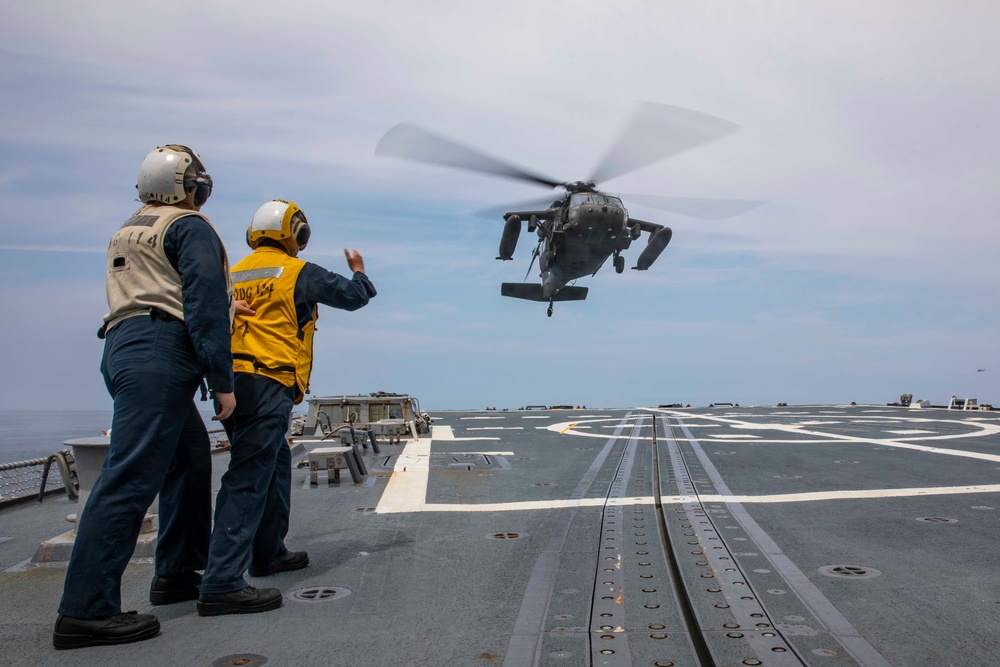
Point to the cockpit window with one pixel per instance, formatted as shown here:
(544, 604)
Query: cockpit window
(594, 198)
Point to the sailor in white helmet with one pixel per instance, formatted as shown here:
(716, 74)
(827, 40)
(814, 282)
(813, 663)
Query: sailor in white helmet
(168, 327)
(272, 361)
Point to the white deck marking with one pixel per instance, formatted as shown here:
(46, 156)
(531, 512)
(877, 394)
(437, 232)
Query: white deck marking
(442, 433)
(411, 505)
(534, 417)
(775, 498)
(406, 490)
(984, 429)
(445, 433)
(495, 428)
(482, 417)
(853, 494)
(474, 438)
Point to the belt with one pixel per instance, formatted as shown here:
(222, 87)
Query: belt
(257, 365)
(154, 313)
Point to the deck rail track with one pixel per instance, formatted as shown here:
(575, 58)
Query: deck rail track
(701, 649)
(607, 641)
(751, 621)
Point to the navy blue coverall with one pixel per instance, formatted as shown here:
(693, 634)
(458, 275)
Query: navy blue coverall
(253, 505)
(152, 367)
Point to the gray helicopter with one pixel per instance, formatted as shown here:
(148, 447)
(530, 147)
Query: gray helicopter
(580, 230)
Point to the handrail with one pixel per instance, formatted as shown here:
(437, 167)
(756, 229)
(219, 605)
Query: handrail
(67, 468)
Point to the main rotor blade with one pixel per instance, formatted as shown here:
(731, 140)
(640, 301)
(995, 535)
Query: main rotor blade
(413, 143)
(696, 207)
(658, 131)
(494, 212)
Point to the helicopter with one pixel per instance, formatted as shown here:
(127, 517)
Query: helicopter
(581, 229)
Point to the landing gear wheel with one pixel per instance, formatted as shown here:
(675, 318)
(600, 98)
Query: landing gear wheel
(549, 311)
(619, 264)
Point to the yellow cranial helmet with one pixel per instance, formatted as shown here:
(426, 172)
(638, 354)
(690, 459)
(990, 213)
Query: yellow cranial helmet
(281, 221)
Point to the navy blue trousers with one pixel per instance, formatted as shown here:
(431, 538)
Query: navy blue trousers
(254, 502)
(159, 444)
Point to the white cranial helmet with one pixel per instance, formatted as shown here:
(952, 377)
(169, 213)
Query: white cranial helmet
(162, 176)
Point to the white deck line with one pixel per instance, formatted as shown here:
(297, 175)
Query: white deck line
(407, 493)
(445, 433)
(986, 429)
(813, 496)
(442, 433)
(495, 428)
(406, 490)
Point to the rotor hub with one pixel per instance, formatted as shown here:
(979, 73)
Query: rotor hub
(580, 186)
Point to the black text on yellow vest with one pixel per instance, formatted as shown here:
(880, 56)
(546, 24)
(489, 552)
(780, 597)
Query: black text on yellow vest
(270, 342)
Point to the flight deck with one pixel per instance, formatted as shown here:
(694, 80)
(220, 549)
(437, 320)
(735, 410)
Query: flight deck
(800, 535)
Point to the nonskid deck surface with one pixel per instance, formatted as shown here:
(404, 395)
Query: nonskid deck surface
(818, 535)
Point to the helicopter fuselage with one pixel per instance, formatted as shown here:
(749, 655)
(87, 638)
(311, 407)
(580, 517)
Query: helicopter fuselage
(587, 232)
(579, 233)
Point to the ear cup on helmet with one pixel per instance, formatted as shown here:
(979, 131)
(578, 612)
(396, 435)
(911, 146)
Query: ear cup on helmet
(202, 192)
(170, 173)
(302, 235)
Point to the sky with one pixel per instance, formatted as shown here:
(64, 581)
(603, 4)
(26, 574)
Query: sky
(870, 128)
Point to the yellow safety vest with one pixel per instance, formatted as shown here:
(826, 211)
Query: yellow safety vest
(270, 343)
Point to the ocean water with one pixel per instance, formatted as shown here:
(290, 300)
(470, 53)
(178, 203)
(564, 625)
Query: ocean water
(32, 434)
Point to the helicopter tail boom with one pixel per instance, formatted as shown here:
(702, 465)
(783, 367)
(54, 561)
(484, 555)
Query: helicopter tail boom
(534, 292)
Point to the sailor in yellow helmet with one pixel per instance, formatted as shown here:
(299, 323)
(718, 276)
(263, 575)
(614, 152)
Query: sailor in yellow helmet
(272, 360)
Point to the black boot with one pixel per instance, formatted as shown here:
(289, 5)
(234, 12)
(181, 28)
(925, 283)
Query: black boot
(118, 629)
(171, 588)
(247, 600)
(291, 560)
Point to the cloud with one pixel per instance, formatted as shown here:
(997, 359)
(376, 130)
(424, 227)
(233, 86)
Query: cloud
(868, 128)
